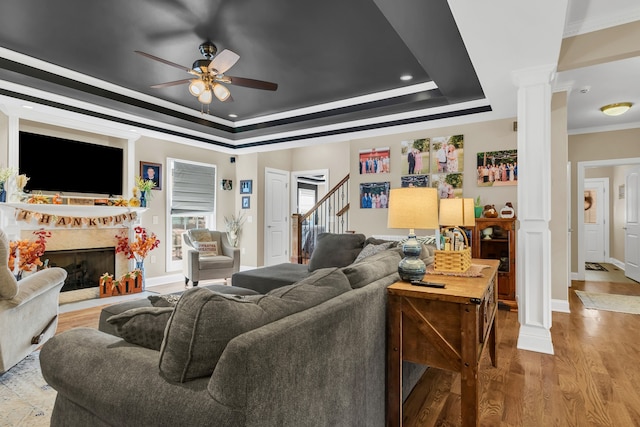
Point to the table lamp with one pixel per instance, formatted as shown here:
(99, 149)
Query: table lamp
(413, 207)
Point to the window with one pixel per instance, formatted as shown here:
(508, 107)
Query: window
(306, 199)
(192, 203)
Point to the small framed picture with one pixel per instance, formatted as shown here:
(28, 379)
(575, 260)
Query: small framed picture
(246, 202)
(226, 184)
(152, 171)
(246, 186)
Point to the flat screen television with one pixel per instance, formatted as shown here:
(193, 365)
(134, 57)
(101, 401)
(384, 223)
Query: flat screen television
(57, 165)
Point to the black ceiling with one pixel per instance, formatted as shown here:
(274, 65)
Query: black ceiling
(317, 53)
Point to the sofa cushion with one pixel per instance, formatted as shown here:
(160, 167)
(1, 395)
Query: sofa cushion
(372, 268)
(143, 326)
(336, 250)
(204, 322)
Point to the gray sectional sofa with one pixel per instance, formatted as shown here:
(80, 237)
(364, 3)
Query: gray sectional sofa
(311, 353)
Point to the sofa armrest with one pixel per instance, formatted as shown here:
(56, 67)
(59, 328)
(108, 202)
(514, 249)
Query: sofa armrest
(119, 384)
(39, 283)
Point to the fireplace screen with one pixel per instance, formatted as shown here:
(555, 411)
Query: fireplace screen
(84, 266)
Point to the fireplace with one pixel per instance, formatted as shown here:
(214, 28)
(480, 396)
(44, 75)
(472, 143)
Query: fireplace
(84, 266)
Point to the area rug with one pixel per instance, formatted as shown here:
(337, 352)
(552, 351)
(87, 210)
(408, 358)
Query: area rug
(610, 302)
(26, 400)
(594, 266)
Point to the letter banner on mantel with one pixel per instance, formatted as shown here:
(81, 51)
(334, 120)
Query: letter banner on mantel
(49, 220)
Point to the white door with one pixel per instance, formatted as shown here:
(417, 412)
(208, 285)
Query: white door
(276, 208)
(596, 208)
(632, 226)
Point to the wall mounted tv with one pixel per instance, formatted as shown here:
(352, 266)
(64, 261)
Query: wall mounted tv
(57, 165)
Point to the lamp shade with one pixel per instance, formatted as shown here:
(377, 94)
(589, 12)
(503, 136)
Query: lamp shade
(205, 97)
(457, 212)
(413, 208)
(196, 87)
(221, 92)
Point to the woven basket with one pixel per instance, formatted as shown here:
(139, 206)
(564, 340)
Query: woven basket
(453, 261)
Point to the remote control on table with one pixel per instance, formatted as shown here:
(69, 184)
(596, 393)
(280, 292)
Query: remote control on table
(427, 284)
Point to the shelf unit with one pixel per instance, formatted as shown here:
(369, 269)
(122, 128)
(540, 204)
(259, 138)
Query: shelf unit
(500, 244)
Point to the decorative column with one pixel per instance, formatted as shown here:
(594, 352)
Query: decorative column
(533, 282)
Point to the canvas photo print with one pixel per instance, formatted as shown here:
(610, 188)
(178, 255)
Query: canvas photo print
(374, 160)
(414, 181)
(447, 154)
(449, 185)
(415, 153)
(497, 168)
(374, 195)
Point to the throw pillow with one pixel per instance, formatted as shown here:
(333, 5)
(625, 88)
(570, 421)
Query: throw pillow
(204, 322)
(371, 249)
(207, 248)
(335, 250)
(375, 267)
(143, 326)
(200, 235)
(169, 300)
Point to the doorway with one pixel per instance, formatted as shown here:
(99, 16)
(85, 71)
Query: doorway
(617, 260)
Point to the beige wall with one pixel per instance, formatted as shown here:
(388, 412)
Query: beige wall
(478, 137)
(619, 145)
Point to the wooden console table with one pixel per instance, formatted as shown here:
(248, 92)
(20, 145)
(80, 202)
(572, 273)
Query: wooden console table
(443, 328)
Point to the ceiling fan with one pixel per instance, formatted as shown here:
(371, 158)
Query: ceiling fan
(209, 74)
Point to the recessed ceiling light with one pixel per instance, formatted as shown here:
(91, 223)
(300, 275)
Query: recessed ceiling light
(28, 107)
(616, 109)
(406, 77)
(233, 116)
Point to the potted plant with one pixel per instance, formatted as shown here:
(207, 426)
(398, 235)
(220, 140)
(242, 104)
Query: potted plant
(234, 226)
(477, 207)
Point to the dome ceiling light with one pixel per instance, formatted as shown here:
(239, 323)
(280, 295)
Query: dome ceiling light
(616, 109)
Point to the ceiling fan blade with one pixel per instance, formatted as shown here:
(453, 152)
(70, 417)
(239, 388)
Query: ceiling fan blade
(164, 61)
(252, 83)
(174, 83)
(223, 61)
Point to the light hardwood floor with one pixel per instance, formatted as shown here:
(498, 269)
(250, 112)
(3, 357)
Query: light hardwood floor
(592, 380)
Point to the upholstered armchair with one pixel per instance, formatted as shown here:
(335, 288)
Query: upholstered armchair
(28, 309)
(207, 254)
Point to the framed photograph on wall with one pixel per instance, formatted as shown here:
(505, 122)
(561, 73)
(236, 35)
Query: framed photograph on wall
(449, 185)
(246, 186)
(152, 171)
(246, 202)
(374, 160)
(497, 168)
(374, 195)
(226, 184)
(414, 181)
(415, 154)
(447, 154)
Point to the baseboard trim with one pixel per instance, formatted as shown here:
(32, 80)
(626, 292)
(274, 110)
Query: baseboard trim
(560, 306)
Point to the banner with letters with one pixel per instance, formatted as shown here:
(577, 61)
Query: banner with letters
(64, 221)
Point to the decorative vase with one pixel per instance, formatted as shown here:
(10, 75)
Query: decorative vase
(140, 266)
(143, 199)
(3, 193)
(477, 211)
(19, 275)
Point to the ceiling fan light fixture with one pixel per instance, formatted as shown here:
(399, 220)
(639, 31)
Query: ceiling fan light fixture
(616, 109)
(196, 87)
(206, 97)
(221, 92)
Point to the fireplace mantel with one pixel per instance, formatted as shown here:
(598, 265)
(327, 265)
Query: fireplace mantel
(73, 210)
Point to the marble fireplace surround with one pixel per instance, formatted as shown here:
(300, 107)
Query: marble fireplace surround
(63, 238)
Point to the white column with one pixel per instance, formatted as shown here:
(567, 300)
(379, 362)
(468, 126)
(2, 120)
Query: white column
(533, 281)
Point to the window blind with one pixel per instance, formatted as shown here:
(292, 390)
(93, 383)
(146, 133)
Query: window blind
(193, 189)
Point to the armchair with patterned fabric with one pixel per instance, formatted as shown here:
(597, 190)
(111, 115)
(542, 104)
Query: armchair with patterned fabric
(207, 254)
(28, 309)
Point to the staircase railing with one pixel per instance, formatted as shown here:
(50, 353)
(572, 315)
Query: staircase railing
(329, 215)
